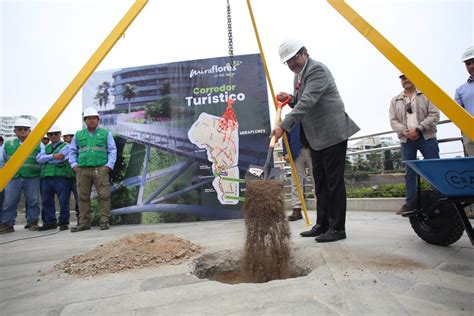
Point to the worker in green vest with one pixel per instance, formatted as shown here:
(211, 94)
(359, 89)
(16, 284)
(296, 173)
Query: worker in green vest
(92, 156)
(26, 180)
(67, 138)
(55, 181)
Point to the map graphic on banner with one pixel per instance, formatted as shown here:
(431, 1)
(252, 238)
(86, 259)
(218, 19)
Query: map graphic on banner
(186, 132)
(222, 146)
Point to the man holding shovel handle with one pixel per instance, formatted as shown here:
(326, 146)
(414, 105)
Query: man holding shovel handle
(316, 103)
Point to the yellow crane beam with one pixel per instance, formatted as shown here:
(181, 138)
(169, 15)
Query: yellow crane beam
(17, 160)
(441, 99)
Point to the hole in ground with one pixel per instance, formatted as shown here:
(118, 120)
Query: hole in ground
(226, 267)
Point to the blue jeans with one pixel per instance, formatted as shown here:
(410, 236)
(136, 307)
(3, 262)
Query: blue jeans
(30, 188)
(429, 149)
(60, 187)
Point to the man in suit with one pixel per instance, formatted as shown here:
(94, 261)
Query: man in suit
(318, 106)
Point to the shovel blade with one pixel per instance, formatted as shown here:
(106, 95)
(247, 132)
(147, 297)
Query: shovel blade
(263, 173)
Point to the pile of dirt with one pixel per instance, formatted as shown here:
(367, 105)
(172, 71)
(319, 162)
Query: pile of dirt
(131, 252)
(267, 247)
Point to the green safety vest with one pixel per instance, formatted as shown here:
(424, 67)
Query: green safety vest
(30, 168)
(60, 169)
(92, 148)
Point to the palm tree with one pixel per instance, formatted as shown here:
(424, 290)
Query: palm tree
(102, 95)
(105, 92)
(129, 93)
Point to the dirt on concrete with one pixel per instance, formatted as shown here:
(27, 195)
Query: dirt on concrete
(267, 247)
(131, 252)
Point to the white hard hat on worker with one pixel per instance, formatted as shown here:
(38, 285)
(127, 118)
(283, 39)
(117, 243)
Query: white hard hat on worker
(293, 53)
(468, 54)
(22, 122)
(54, 129)
(289, 48)
(90, 111)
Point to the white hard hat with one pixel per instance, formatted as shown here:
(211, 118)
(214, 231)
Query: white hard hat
(23, 122)
(90, 111)
(69, 132)
(288, 49)
(54, 129)
(468, 54)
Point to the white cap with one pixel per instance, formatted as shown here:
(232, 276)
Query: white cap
(468, 54)
(90, 111)
(288, 49)
(54, 129)
(23, 122)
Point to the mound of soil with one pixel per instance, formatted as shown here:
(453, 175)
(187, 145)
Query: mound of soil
(131, 252)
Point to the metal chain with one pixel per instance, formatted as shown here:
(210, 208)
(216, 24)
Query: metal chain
(229, 35)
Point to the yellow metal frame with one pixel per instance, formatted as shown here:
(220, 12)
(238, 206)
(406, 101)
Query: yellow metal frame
(17, 160)
(443, 101)
(285, 139)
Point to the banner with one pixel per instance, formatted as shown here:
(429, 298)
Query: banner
(186, 131)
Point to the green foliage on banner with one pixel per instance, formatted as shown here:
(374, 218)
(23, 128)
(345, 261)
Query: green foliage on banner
(118, 173)
(123, 197)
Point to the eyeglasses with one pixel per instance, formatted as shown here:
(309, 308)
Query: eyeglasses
(292, 59)
(22, 129)
(54, 133)
(409, 109)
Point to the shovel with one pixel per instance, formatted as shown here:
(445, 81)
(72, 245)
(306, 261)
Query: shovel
(266, 171)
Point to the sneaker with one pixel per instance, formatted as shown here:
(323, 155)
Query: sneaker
(27, 226)
(5, 229)
(33, 226)
(63, 227)
(80, 228)
(405, 209)
(104, 226)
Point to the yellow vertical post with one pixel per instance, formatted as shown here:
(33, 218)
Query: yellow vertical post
(443, 101)
(17, 160)
(285, 139)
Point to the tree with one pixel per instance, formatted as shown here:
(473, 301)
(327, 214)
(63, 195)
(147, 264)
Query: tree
(129, 93)
(103, 93)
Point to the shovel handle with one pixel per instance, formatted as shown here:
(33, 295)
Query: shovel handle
(277, 120)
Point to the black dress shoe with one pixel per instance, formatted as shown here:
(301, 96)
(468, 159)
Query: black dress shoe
(315, 231)
(331, 235)
(47, 227)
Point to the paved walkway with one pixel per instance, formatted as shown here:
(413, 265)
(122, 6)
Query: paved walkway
(382, 268)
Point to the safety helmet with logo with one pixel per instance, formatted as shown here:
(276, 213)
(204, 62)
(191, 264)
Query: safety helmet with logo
(54, 129)
(288, 49)
(22, 122)
(90, 111)
(468, 54)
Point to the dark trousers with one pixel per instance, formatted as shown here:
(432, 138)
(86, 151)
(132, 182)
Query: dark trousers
(328, 173)
(51, 187)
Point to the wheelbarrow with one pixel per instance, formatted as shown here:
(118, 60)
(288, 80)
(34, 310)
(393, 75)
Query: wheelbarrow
(439, 217)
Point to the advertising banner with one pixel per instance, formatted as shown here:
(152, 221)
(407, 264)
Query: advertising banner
(186, 132)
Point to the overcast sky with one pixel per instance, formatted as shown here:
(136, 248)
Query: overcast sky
(44, 43)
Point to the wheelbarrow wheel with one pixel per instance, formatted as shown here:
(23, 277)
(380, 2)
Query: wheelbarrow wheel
(441, 226)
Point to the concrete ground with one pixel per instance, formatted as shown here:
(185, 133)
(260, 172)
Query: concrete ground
(381, 268)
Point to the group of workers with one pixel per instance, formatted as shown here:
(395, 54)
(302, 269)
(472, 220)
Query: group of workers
(57, 168)
(318, 129)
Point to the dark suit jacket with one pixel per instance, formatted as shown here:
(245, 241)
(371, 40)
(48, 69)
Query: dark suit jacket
(319, 107)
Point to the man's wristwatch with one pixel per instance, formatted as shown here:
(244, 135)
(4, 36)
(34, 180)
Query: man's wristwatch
(418, 131)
